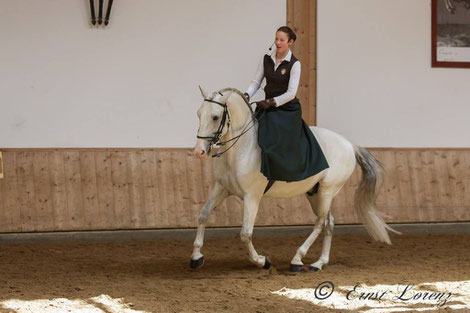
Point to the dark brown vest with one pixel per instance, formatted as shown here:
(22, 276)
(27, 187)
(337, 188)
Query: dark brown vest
(277, 82)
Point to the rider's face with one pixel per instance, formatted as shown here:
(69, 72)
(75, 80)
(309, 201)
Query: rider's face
(282, 42)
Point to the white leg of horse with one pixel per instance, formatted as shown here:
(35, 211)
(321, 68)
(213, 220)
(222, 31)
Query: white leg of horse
(321, 204)
(251, 204)
(218, 194)
(325, 254)
(329, 226)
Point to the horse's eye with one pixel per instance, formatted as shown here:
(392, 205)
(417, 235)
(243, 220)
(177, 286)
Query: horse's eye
(215, 118)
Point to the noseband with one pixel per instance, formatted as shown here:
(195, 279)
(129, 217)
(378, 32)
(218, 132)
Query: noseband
(213, 140)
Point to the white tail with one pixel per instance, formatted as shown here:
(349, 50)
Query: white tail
(366, 194)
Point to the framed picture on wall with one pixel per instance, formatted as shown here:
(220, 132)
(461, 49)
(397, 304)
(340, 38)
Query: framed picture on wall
(451, 33)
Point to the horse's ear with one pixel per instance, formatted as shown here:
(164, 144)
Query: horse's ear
(203, 93)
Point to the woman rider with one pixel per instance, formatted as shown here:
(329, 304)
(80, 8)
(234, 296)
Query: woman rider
(290, 151)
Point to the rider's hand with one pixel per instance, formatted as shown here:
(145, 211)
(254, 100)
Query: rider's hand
(247, 96)
(266, 104)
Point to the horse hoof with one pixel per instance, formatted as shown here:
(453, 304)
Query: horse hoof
(295, 268)
(197, 263)
(267, 264)
(313, 268)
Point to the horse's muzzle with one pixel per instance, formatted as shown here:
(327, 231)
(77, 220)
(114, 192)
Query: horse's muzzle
(201, 148)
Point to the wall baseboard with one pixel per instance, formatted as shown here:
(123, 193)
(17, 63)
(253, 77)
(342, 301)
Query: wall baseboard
(218, 233)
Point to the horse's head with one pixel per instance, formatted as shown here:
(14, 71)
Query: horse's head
(224, 111)
(214, 121)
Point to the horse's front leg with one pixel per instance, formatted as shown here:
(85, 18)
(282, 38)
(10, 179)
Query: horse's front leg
(251, 204)
(218, 194)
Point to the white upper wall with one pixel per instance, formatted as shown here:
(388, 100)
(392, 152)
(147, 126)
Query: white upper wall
(134, 83)
(375, 81)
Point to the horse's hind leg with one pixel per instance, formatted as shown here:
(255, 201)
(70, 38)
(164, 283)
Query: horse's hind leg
(218, 194)
(321, 204)
(251, 204)
(325, 254)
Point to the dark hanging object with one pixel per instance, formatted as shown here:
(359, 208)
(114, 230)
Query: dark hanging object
(108, 12)
(98, 20)
(100, 12)
(92, 8)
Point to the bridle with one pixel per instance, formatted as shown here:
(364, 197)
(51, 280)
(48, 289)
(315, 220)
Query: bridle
(215, 139)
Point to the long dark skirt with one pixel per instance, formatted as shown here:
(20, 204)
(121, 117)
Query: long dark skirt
(290, 151)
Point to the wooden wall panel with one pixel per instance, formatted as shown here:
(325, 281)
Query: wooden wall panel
(73, 189)
(151, 196)
(93, 189)
(136, 189)
(104, 187)
(121, 182)
(302, 18)
(42, 190)
(26, 194)
(89, 188)
(9, 188)
(60, 214)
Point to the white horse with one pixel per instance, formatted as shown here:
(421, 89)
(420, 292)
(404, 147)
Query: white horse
(226, 115)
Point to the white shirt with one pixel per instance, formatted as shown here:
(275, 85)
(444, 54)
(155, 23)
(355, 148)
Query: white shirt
(293, 80)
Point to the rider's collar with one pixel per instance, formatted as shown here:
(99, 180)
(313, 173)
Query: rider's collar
(286, 58)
